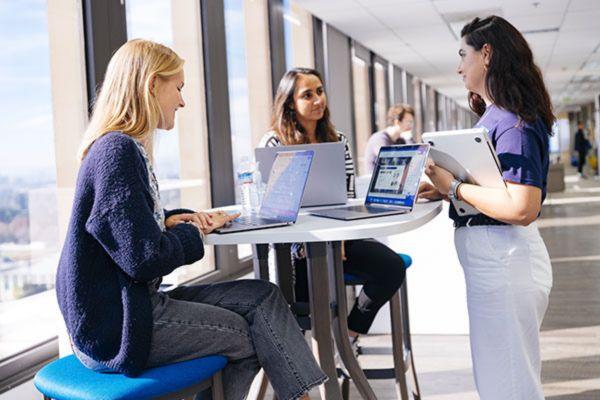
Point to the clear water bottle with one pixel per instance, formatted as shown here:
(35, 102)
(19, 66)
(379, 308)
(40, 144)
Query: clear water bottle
(249, 186)
(260, 186)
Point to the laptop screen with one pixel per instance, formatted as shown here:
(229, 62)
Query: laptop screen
(396, 177)
(285, 186)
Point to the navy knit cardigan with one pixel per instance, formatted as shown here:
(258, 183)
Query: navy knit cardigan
(113, 248)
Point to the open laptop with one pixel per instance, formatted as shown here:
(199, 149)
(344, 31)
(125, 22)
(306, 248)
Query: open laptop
(327, 178)
(283, 194)
(394, 184)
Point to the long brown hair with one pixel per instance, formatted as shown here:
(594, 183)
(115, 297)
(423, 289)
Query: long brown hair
(513, 81)
(285, 122)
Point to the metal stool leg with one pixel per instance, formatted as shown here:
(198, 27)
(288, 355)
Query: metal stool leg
(400, 366)
(408, 342)
(217, 387)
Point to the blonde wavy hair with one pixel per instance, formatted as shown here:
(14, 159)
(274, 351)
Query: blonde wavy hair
(125, 102)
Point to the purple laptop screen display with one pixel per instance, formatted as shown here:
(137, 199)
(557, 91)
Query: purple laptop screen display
(285, 186)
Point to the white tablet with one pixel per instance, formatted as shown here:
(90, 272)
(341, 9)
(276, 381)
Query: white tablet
(470, 156)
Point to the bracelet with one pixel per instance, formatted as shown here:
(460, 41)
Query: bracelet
(453, 190)
(456, 190)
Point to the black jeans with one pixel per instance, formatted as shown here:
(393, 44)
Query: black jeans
(373, 262)
(581, 161)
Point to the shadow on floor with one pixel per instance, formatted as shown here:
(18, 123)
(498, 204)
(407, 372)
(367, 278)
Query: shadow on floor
(553, 371)
(572, 368)
(587, 395)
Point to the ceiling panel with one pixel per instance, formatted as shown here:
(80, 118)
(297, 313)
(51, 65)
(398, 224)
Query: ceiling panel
(318, 6)
(581, 20)
(396, 16)
(391, 3)
(584, 5)
(514, 8)
(461, 6)
(542, 39)
(540, 22)
(416, 35)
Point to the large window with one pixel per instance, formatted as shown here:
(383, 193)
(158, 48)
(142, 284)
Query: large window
(153, 20)
(380, 85)
(289, 20)
(239, 104)
(362, 110)
(28, 201)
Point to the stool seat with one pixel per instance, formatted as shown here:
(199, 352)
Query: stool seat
(67, 378)
(354, 280)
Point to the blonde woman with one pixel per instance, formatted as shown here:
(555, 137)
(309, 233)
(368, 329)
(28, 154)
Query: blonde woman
(121, 242)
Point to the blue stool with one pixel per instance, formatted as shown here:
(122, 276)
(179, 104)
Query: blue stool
(401, 343)
(67, 378)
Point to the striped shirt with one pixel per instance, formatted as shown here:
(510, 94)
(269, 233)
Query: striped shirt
(270, 139)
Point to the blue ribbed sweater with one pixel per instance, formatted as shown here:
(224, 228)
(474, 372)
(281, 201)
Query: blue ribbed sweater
(113, 248)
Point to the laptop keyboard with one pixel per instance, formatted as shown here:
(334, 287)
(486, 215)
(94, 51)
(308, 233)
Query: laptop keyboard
(251, 220)
(247, 220)
(370, 210)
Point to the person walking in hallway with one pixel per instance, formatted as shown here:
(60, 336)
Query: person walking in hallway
(582, 146)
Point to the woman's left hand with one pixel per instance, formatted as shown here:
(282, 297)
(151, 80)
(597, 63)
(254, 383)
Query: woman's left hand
(440, 178)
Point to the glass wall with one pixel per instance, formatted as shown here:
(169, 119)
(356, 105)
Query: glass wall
(239, 104)
(380, 85)
(362, 110)
(29, 238)
(151, 19)
(288, 21)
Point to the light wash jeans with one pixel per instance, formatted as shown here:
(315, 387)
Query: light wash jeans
(508, 278)
(247, 321)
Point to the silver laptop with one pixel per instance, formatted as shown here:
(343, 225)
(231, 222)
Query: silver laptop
(327, 178)
(283, 194)
(394, 184)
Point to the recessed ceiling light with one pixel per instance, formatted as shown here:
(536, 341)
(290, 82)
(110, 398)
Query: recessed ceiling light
(545, 30)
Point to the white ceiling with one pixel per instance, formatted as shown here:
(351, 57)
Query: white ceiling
(422, 37)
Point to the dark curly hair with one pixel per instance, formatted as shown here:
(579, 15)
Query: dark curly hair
(513, 81)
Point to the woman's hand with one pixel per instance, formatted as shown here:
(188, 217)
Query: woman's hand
(220, 218)
(429, 192)
(201, 220)
(440, 178)
(204, 221)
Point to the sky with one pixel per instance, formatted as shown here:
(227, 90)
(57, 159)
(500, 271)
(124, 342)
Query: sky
(26, 131)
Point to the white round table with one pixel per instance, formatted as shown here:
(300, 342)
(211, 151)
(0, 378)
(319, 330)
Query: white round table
(310, 228)
(323, 237)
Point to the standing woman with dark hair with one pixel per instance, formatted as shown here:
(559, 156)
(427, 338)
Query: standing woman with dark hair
(301, 116)
(506, 264)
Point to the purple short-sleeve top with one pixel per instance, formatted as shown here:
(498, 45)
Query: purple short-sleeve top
(522, 148)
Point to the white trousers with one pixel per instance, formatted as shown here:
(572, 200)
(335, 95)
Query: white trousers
(508, 277)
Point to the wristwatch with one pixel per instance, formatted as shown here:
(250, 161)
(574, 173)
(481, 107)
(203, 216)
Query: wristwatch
(453, 190)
